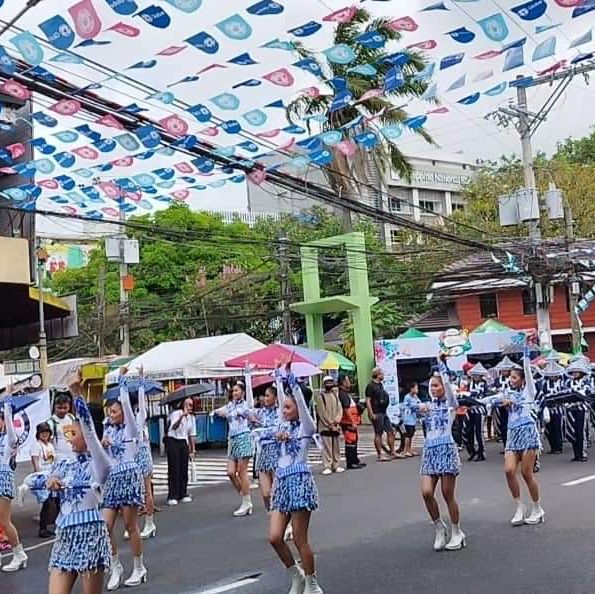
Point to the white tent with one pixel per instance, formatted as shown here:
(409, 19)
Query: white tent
(192, 359)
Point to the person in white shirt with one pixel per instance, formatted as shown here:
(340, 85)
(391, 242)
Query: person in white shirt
(180, 446)
(43, 456)
(61, 423)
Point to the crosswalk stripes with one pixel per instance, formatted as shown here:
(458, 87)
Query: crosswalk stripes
(212, 469)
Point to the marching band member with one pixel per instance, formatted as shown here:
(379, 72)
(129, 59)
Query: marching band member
(144, 461)
(523, 442)
(551, 385)
(124, 486)
(475, 414)
(82, 547)
(504, 369)
(8, 447)
(295, 495)
(440, 459)
(577, 413)
(238, 412)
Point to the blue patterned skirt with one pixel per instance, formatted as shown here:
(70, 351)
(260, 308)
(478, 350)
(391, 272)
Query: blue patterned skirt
(36, 483)
(8, 487)
(522, 438)
(267, 458)
(82, 548)
(440, 459)
(124, 487)
(144, 460)
(294, 492)
(240, 447)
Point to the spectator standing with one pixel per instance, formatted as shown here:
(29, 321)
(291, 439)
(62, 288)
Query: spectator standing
(411, 404)
(349, 423)
(329, 414)
(42, 459)
(61, 425)
(180, 446)
(377, 401)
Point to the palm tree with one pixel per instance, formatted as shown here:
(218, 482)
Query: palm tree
(351, 176)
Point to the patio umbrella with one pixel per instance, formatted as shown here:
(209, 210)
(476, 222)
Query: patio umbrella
(324, 359)
(188, 392)
(151, 388)
(270, 357)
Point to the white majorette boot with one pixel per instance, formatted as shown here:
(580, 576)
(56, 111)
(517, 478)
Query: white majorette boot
(458, 540)
(138, 575)
(245, 509)
(537, 515)
(116, 573)
(312, 586)
(298, 580)
(440, 540)
(149, 530)
(288, 532)
(18, 561)
(519, 516)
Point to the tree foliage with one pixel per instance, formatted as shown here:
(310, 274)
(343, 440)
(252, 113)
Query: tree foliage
(199, 275)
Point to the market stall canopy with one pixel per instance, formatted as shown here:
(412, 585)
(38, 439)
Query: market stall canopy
(412, 333)
(324, 359)
(191, 359)
(188, 392)
(490, 326)
(271, 356)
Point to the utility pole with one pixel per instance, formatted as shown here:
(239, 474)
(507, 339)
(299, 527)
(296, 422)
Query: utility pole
(574, 287)
(42, 256)
(285, 289)
(124, 311)
(101, 312)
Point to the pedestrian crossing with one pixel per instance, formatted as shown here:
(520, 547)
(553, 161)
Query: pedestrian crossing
(211, 469)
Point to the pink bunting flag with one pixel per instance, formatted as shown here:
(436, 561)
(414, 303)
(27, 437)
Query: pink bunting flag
(258, 176)
(570, 3)
(347, 148)
(110, 212)
(428, 44)
(269, 133)
(70, 210)
(86, 152)
(312, 92)
(211, 131)
(16, 150)
(50, 184)
(439, 110)
(15, 89)
(133, 196)
(110, 121)
(126, 30)
(554, 68)
(184, 167)
(123, 162)
(371, 94)
(211, 67)
(172, 50)
(345, 15)
(87, 23)
(180, 195)
(66, 107)
(403, 24)
(488, 55)
(7, 170)
(175, 125)
(110, 189)
(281, 77)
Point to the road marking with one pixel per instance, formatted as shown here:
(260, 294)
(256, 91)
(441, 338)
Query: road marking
(227, 588)
(585, 479)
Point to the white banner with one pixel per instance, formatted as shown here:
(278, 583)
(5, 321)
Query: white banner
(386, 359)
(36, 409)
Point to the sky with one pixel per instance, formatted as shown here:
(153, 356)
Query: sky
(208, 42)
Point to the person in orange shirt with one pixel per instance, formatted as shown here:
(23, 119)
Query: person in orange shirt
(349, 423)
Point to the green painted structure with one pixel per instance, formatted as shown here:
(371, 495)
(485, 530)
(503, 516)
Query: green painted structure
(358, 302)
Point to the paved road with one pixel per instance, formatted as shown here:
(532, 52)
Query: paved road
(372, 536)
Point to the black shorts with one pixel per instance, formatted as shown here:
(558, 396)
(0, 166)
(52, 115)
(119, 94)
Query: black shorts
(409, 430)
(382, 424)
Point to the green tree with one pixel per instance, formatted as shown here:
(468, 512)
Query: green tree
(346, 173)
(580, 151)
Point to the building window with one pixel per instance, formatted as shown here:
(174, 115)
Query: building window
(529, 303)
(427, 206)
(395, 204)
(456, 206)
(397, 236)
(488, 305)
